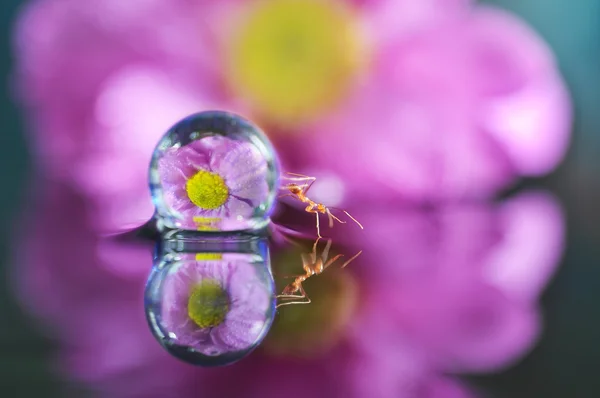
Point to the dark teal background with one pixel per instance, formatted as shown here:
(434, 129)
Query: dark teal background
(566, 362)
(24, 371)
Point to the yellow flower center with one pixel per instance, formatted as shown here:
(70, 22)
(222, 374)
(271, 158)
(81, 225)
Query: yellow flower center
(294, 59)
(208, 304)
(207, 190)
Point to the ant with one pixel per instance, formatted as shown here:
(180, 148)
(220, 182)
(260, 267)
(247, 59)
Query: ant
(312, 266)
(300, 190)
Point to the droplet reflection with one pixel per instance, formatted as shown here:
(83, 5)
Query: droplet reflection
(210, 302)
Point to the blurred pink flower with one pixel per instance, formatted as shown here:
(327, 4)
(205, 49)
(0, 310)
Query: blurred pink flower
(437, 292)
(418, 100)
(458, 110)
(98, 84)
(454, 101)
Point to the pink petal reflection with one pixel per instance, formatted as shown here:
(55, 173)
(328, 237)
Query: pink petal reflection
(460, 282)
(532, 246)
(87, 294)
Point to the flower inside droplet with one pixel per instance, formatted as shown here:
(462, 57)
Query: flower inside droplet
(295, 59)
(207, 190)
(208, 304)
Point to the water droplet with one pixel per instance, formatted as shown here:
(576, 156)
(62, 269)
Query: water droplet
(213, 172)
(211, 302)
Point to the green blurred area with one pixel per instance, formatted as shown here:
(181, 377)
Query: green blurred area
(566, 361)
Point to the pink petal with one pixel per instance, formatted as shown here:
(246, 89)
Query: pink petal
(389, 19)
(528, 110)
(426, 124)
(236, 207)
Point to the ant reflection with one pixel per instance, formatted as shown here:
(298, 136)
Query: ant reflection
(312, 264)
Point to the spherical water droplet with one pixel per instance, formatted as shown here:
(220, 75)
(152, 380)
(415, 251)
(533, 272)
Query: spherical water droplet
(213, 172)
(211, 306)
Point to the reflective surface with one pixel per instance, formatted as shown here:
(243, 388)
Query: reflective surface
(454, 289)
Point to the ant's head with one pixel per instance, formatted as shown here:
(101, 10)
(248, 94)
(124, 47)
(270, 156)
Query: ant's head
(321, 208)
(291, 288)
(294, 188)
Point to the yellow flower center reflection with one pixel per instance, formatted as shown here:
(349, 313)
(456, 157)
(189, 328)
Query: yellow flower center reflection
(294, 59)
(208, 304)
(209, 256)
(207, 190)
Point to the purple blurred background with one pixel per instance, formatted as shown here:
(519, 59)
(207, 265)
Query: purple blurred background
(463, 135)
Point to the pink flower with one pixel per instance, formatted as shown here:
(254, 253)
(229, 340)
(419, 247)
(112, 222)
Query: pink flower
(437, 291)
(413, 100)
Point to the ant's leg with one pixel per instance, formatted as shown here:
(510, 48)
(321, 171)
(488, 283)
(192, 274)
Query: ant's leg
(311, 209)
(294, 296)
(325, 253)
(298, 178)
(314, 250)
(331, 261)
(307, 187)
(304, 294)
(300, 301)
(332, 217)
(337, 219)
(292, 302)
(301, 176)
(289, 296)
(286, 194)
(351, 259)
(307, 262)
(318, 227)
(348, 214)
(353, 219)
(288, 276)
